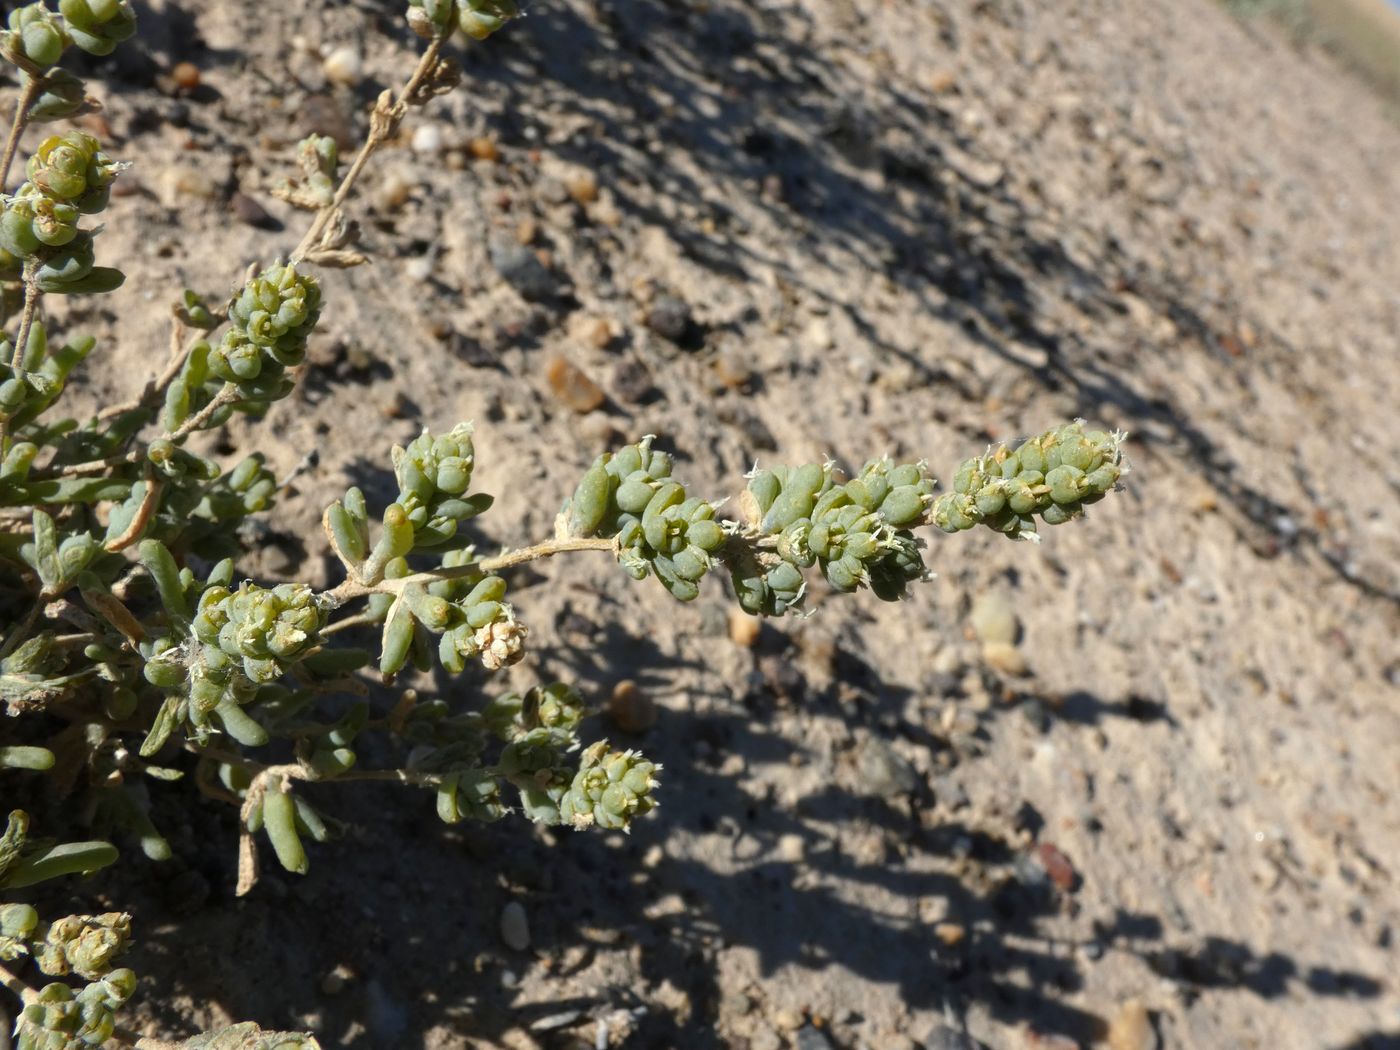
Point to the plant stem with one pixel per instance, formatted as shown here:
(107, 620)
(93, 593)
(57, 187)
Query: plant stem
(26, 994)
(353, 588)
(383, 122)
(226, 396)
(32, 86)
(26, 319)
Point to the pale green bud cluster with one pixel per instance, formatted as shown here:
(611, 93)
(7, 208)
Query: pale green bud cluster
(657, 527)
(69, 177)
(1052, 476)
(248, 1036)
(86, 945)
(34, 36)
(98, 26)
(60, 1020)
(318, 157)
(478, 625)
(268, 629)
(72, 167)
(18, 924)
(434, 474)
(270, 320)
(856, 533)
(610, 789)
(476, 18)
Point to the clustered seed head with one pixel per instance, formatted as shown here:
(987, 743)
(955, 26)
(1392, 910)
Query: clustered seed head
(857, 533)
(84, 944)
(72, 167)
(267, 629)
(1052, 476)
(477, 18)
(269, 322)
(434, 474)
(58, 1019)
(34, 35)
(98, 26)
(631, 496)
(610, 789)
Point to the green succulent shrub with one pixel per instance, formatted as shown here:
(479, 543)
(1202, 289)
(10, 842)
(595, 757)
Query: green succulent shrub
(126, 625)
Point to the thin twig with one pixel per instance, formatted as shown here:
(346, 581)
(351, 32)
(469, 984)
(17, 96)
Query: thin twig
(353, 588)
(227, 395)
(32, 86)
(380, 130)
(26, 320)
(26, 994)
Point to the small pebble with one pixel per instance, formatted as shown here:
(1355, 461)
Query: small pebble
(993, 617)
(521, 268)
(185, 75)
(810, 1038)
(343, 66)
(582, 187)
(482, 148)
(1131, 1028)
(744, 629)
(950, 933)
(788, 1019)
(669, 318)
(572, 387)
(427, 140)
(630, 709)
(1057, 866)
(1006, 658)
(515, 927)
(249, 211)
(334, 982)
(791, 848)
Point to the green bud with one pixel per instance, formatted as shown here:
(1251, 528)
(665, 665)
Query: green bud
(610, 789)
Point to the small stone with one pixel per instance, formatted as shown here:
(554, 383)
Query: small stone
(521, 268)
(632, 382)
(744, 629)
(515, 927)
(788, 1019)
(572, 386)
(526, 231)
(630, 709)
(993, 617)
(764, 1038)
(1131, 1028)
(941, 1037)
(343, 66)
(950, 933)
(482, 148)
(669, 318)
(247, 210)
(942, 81)
(811, 1038)
(334, 982)
(394, 193)
(817, 335)
(185, 75)
(884, 772)
(1057, 866)
(427, 140)
(582, 187)
(731, 369)
(599, 332)
(1006, 658)
(791, 848)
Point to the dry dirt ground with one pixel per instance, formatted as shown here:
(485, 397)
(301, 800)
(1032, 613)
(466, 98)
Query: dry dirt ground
(902, 227)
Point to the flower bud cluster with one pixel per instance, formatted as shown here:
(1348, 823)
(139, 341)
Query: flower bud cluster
(269, 322)
(58, 1019)
(610, 789)
(83, 944)
(1052, 476)
(631, 496)
(856, 533)
(267, 629)
(69, 176)
(98, 26)
(477, 18)
(434, 474)
(34, 35)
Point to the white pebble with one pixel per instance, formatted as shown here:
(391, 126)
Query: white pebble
(427, 139)
(343, 66)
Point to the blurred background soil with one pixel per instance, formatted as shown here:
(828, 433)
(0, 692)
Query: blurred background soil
(1133, 787)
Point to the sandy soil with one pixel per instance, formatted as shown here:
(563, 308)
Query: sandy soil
(906, 228)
